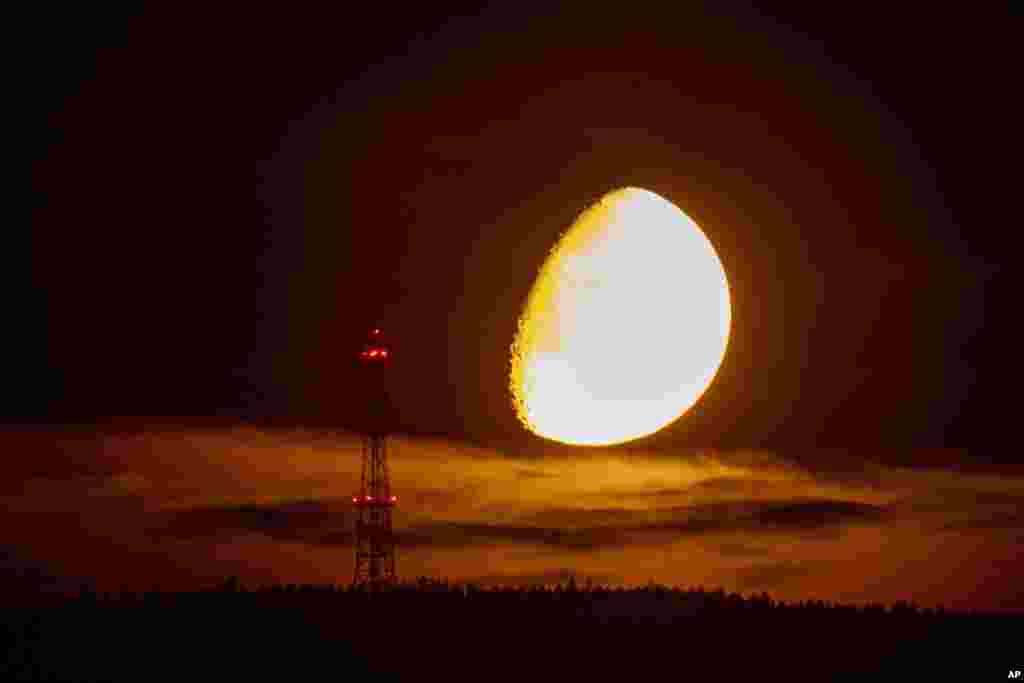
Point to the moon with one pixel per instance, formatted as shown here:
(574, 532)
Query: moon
(625, 326)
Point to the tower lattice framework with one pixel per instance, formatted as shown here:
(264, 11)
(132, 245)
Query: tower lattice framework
(375, 539)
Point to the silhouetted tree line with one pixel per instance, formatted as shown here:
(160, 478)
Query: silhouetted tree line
(428, 628)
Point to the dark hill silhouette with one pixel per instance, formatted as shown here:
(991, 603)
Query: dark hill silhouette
(441, 631)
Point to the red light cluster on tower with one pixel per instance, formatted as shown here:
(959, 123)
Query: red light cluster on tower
(358, 500)
(375, 349)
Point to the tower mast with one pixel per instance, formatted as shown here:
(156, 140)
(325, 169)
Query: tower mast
(375, 540)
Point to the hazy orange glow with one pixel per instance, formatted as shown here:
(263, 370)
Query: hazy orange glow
(624, 328)
(276, 506)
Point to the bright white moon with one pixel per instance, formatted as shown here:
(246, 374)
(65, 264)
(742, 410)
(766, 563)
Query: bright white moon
(624, 328)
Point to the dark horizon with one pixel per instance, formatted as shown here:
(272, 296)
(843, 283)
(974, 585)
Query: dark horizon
(407, 632)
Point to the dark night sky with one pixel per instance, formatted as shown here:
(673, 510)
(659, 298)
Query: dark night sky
(224, 200)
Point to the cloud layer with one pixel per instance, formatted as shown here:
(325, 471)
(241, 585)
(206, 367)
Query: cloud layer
(188, 505)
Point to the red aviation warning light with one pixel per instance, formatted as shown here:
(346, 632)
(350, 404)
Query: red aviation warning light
(378, 501)
(375, 349)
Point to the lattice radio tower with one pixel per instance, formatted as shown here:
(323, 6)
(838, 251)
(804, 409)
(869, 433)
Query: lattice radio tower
(375, 540)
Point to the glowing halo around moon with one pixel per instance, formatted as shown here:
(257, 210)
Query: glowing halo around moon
(625, 326)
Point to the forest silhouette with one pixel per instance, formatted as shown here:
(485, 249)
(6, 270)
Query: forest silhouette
(430, 628)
